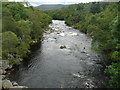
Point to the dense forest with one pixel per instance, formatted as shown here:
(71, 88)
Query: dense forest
(22, 27)
(101, 21)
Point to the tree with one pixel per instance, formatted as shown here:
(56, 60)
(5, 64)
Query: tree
(9, 42)
(24, 30)
(95, 7)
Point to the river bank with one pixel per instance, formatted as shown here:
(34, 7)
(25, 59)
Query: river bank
(5, 83)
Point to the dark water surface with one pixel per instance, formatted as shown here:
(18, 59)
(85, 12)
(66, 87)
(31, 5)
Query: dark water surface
(64, 60)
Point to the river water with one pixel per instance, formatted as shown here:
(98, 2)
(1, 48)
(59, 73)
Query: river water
(63, 60)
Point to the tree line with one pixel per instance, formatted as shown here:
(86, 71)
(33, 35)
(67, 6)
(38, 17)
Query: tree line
(21, 28)
(101, 21)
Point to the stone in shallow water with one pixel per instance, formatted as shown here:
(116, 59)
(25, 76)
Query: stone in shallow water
(3, 77)
(74, 34)
(15, 84)
(1, 71)
(88, 55)
(5, 64)
(61, 47)
(89, 83)
(62, 34)
(83, 51)
(78, 75)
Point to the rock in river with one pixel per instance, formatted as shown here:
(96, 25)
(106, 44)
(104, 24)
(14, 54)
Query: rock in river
(6, 84)
(61, 47)
(15, 84)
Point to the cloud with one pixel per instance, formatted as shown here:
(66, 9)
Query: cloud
(39, 2)
(56, 1)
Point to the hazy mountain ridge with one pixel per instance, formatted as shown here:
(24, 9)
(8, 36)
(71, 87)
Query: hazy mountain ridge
(51, 6)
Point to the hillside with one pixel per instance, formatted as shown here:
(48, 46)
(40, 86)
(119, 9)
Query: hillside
(51, 6)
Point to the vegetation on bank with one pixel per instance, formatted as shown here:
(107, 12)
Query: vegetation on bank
(21, 27)
(101, 21)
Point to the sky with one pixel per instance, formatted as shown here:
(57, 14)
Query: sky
(39, 2)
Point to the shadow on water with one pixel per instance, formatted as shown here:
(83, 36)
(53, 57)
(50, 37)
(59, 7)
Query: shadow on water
(34, 48)
(14, 75)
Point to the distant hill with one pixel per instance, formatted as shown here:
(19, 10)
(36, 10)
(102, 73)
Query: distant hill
(51, 6)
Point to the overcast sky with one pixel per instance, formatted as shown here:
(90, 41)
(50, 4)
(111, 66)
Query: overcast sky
(39, 2)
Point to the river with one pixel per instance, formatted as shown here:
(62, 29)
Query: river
(63, 60)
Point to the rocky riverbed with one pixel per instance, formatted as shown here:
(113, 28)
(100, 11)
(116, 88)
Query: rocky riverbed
(5, 83)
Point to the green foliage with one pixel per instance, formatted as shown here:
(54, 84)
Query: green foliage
(9, 41)
(24, 30)
(14, 61)
(95, 7)
(116, 55)
(114, 71)
(23, 49)
(42, 20)
(8, 23)
(17, 10)
(22, 26)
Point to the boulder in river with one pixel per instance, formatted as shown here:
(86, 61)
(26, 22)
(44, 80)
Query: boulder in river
(1, 71)
(15, 84)
(62, 34)
(74, 34)
(62, 47)
(88, 55)
(89, 84)
(78, 75)
(58, 33)
(2, 77)
(5, 64)
(6, 84)
(83, 51)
